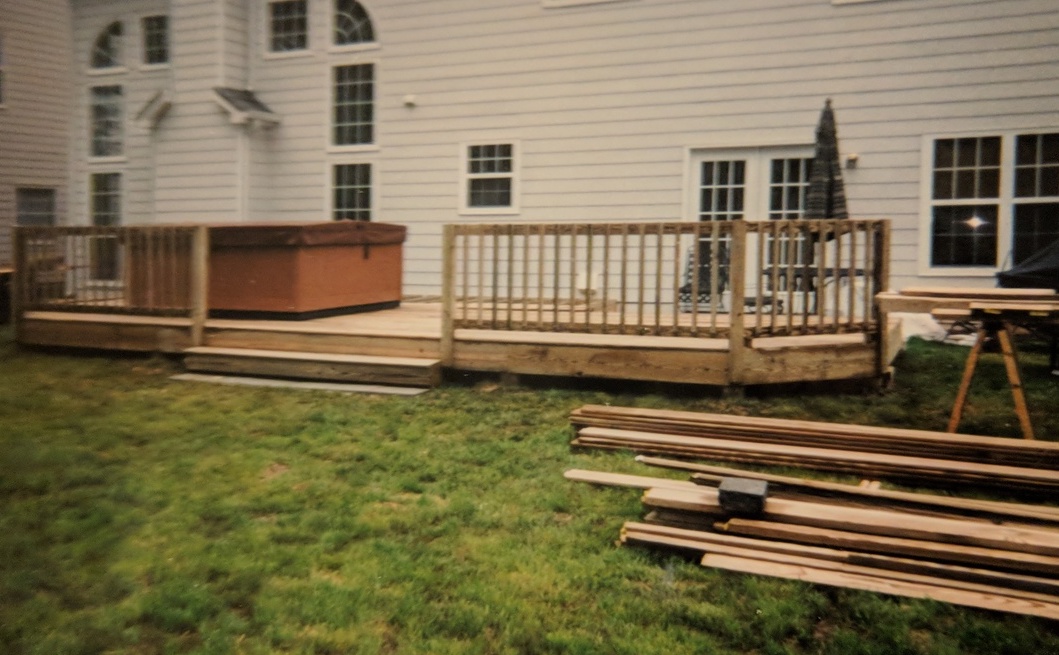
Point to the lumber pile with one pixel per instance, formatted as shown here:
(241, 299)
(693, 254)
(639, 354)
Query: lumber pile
(919, 457)
(826, 535)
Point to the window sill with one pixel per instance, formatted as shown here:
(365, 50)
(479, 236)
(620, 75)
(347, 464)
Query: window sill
(488, 211)
(113, 70)
(345, 150)
(288, 54)
(152, 68)
(106, 161)
(353, 48)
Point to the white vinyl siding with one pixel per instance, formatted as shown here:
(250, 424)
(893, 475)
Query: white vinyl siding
(606, 101)
(36, 107)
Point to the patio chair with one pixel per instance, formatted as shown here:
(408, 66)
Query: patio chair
(705, 276)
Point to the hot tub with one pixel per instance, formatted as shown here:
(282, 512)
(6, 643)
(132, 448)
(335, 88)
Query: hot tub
(304, 270)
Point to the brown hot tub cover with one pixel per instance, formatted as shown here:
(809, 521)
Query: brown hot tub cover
(336, 233)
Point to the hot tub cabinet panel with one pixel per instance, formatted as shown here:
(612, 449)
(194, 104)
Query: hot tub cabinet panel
(302, 271)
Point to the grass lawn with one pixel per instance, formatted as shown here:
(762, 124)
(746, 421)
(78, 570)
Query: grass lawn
(144, 515)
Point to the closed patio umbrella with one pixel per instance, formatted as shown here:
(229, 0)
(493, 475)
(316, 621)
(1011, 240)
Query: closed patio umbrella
(826, 196)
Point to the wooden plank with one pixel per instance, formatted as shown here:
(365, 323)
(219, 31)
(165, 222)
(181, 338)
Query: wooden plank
(1033, 540)
(977, 293)
(860, 460)
(1020, 585)
(625, 480)
(856, 541)
(200, 276)
(867, 582)
(994, 510)
(448, 294)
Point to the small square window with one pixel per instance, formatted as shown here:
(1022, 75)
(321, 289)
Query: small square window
(35, 207)
(289, 26)
(490, 177)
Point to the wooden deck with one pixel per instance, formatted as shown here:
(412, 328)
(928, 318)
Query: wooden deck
(414, 330)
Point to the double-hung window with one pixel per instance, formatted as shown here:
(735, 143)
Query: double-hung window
(288, 25)
(106, 121)
(35, 207)
(993, 200)
(353, 104)
(490, 178)
(351, 186)
(156, 40)
(105, 191)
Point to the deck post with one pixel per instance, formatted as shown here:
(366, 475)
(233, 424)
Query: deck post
(200, 275)
(18, 282)
(737, 331)
(448, 297)
(882, 283)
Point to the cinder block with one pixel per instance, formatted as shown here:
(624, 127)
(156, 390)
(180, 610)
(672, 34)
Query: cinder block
(742, 496)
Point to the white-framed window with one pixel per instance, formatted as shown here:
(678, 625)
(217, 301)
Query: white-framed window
(155, 40)
(992, 200)
(490, 178)
(105, 198)
(353, 105)
(288, 22)
(106, 50)
(751, 183)
(35, 207)
(352, 24)
(106, 118)
(351, 186)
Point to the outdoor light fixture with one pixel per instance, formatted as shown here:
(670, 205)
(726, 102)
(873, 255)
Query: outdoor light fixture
(851, 160)
(974, 222)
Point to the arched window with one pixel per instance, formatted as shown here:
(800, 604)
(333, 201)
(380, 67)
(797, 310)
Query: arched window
(352, 23)
(106, 52)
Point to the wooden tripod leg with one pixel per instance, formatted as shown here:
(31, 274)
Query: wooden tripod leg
(965, 383)
(1011, 363)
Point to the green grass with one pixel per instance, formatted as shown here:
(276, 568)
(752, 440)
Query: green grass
(143, 515)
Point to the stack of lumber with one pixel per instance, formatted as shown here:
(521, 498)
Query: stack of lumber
(917, 456)
(849, 536)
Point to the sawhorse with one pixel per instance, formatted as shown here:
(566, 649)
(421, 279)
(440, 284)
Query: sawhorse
(1001, 330)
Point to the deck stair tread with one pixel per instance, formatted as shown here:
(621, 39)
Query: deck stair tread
(313, 356)
(335, 367)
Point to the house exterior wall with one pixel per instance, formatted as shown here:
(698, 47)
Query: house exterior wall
(34, 65)
(608, 103)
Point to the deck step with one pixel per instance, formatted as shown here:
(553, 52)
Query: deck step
(365, 369)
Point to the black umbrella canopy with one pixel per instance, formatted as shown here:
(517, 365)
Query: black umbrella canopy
(826, 196)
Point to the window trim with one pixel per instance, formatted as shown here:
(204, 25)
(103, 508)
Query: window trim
(266, 32)
(329, 186)
(144, 65)
(123, 128)
(350, 47)
(54, 203)
(90, 213)
(121, 58)
(329, 109)
(1005, 201)
(757, 157)
(465, 177)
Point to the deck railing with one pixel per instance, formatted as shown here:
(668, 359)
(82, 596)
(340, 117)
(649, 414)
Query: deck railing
(709, 279)
(144, 270)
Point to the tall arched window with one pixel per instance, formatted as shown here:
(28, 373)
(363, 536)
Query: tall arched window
(106, 51)
(352, 23)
